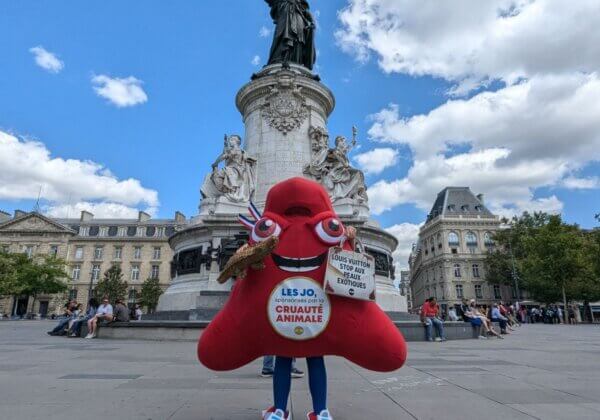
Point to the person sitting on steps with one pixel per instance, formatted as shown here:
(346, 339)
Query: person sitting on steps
(104, 313)
(430, 318)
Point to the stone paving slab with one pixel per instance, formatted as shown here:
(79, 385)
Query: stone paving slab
(538, 372)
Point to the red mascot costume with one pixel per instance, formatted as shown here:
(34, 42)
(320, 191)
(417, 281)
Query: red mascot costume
(280, 307)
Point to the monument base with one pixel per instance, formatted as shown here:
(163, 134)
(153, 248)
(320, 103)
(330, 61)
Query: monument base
(285, 111)
(350, 209)
(202, 250)
(220, 205)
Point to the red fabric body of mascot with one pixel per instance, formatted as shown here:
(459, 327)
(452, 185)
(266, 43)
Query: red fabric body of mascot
(242, 332)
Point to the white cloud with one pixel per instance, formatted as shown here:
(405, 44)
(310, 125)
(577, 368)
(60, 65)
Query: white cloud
(264, 32)
(538, 129)
(407, 235)
(550, 116)
(472, 42)
(537, 133)
(255, 60)
(104, 210)
(120, 92)
(575, 183)
(377, 160)
(46, 60)
(26, 165)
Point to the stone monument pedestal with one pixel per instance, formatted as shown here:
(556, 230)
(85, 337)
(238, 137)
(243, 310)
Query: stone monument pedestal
(282, 108)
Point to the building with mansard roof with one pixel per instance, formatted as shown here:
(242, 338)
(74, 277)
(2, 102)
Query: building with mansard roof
(448, 261)
(405, 290)
(90, 246)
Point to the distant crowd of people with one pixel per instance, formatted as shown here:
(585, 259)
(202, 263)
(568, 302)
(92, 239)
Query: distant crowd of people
(96, 315)
(483, 317)
(551, 314)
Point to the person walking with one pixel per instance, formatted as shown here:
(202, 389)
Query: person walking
(269, 368)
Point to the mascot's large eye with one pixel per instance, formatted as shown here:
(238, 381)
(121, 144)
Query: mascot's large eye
(264, 229)
(330, 230)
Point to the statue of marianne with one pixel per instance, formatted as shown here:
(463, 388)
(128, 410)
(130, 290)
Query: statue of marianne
(293, 41)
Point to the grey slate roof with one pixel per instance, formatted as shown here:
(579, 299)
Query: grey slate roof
(116, 222)
(455, 201)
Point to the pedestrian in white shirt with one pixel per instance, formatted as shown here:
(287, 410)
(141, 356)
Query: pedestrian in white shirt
(452, 314)
(103, 313)
(138, 312)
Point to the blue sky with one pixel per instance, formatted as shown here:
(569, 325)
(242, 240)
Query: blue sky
(484, 118)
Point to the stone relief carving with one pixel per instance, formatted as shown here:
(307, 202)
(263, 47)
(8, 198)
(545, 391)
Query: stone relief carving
(32, 224)
(236, 180)
(190, 261)
(331, 167)
(285, 107)
(384, 263)
(229, 247)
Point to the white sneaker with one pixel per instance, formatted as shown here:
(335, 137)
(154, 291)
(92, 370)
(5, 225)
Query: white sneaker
(438, 339)
(277, 415)
(88, 336)
(481, 337)
(324, 415)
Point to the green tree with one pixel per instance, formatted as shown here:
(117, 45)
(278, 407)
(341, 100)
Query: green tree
(587, 288)
(112, 285)
(554, 263)
(8, 275)
(150, 294)
(510, 248)
(498, 267)
(21, 275)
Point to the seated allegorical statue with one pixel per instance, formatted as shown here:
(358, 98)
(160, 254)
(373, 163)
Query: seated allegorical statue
(331, 167)
(236, 180)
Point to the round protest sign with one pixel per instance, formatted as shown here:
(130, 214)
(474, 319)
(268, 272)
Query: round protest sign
(299, 309)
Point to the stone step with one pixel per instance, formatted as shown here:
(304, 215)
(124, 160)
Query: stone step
(191, 330)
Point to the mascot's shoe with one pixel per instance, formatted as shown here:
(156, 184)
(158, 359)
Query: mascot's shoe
(324, 415)
(272, 414)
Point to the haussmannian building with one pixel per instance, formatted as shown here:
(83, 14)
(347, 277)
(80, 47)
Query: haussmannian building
(448, 261)
(90, 247)
(405, 290)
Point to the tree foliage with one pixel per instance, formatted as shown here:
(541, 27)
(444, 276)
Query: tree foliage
(150, 294)
(554, 264)
(588, 287)
(499, 267)
(554, 261)
(21, 275)
(112, 285)
(8, 283)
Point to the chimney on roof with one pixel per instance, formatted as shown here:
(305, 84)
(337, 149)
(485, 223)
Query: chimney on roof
(4, 216)
(86, 216)
(480, 198)
(20, 213)
(143, 216)
(179, 217)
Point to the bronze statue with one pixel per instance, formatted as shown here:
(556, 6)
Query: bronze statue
(293, 41)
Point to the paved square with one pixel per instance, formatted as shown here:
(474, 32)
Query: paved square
(538, 372)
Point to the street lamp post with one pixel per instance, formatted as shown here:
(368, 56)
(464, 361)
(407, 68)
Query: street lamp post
(91, 284)
(514, 272)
